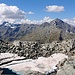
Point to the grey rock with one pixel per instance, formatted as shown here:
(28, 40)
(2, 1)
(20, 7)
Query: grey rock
(68, 68)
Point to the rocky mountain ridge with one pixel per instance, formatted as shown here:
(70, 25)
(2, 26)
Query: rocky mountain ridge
(56, 30)
(41, 32)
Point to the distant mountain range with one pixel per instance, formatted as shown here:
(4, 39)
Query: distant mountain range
(46, 32)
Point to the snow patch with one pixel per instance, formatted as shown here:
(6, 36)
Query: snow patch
(42, 64)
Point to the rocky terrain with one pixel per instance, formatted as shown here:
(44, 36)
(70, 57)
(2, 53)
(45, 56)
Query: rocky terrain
(34, 50)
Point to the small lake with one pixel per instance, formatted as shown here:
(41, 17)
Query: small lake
(7, 71)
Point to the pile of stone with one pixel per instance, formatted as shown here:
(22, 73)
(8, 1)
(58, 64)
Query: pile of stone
(28, 49)
(33, 49)
(67, 46)
(3, 46)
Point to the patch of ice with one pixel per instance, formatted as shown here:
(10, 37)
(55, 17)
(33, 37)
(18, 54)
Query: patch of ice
(41, 64)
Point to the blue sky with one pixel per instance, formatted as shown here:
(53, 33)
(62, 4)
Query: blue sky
(38, 7)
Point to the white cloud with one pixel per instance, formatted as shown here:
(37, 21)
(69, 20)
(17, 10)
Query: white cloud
(54, 8)
(10, 13)
(45, 19)
(70, 21)
(30, 12)
(13, 14)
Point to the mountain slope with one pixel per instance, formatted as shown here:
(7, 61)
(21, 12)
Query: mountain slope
(48, 32)
(15, 31)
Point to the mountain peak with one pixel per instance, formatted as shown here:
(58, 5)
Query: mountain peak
(4, 22)
(58, 20)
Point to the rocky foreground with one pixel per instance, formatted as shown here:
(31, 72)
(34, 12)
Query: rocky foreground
(33, 58)
(33, 50)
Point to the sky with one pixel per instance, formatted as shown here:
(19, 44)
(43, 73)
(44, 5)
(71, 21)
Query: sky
(37, 11)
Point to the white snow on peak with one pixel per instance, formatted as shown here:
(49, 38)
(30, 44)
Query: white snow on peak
(7, 24)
